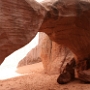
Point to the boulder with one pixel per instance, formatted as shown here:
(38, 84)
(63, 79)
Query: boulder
(67, 22)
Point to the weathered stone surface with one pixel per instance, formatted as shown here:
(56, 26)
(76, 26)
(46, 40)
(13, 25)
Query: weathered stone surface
(68, 74)
(50, 53)
(66, 22)
(19, 23)
(85, 76)
(53, 54)
(71, 25)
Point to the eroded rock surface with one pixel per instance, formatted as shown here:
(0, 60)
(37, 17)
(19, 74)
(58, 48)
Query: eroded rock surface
(19, 23)
(66, 22)
(50, 53)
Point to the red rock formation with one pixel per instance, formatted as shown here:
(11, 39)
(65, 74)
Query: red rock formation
(70, 26)
(65, 21)
(19, 23)
(50, 53)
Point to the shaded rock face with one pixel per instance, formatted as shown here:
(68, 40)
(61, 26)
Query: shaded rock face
(70, 29)
(50, 53)
(19, 23)
(65, 21)
(68, 73)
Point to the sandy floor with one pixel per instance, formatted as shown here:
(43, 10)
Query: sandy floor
(32, 77)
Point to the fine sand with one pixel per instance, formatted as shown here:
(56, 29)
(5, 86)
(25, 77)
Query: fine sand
(33, 77)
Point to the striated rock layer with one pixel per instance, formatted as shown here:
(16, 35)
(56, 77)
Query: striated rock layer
(19, 23)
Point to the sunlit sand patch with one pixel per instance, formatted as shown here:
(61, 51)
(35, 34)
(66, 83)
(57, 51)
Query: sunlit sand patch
(12, 72)
(8, 67)
(7, 73)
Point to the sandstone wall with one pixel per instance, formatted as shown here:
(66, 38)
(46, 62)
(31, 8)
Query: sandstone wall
(50, 53)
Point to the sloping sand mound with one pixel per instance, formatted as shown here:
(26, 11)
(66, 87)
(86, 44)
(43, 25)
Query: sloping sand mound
(32, 77)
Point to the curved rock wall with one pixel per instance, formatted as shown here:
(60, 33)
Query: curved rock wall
(50, 53)
(19, 23)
